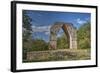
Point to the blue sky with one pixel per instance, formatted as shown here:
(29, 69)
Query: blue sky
(43, 20)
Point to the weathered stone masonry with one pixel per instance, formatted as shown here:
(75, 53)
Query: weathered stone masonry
(70, 32)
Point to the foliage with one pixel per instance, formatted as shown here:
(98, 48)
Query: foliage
(26, 32)
(26, 26)
(62, 42)
(84, 36)
(30, 44)
(39, 45)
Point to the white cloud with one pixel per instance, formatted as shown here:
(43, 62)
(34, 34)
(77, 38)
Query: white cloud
(79, 21)
(45, 29)
(33, 26)
(47, 33)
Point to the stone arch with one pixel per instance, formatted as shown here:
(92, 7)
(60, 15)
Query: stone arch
(70, 32)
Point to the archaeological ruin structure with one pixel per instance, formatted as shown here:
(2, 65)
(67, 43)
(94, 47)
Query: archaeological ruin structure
(68, 29)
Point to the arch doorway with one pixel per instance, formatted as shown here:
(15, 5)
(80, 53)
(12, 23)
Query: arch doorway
(70, 32)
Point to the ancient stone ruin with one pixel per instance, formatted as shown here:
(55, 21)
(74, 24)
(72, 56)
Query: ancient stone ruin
(70, 32)
(60, 54)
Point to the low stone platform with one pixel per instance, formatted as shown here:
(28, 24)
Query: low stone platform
(57, 55)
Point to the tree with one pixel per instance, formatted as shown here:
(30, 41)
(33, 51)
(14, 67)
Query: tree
(84, 36)
(62, 42)
(27, 31)
(39, 45)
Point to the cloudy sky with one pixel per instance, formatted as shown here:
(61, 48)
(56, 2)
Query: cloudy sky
(43, 20)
